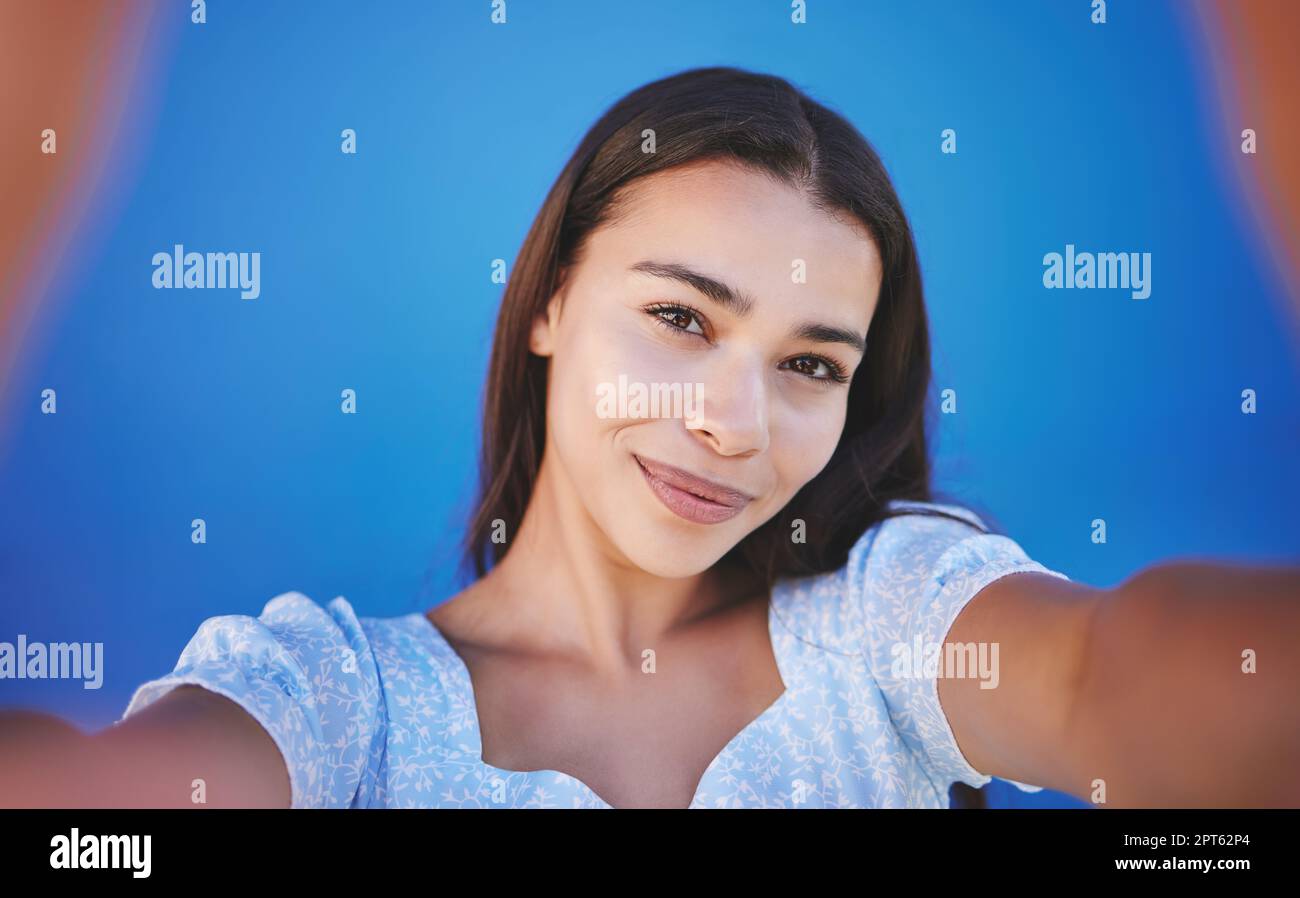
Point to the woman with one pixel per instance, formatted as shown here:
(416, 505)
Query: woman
(711, 569)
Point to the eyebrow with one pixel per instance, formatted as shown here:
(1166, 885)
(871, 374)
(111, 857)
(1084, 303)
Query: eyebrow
(825, 333)
(740, 305)
(728, 297)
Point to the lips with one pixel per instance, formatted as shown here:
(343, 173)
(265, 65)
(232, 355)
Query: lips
(692, 498)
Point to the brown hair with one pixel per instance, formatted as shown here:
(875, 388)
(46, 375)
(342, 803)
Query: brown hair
(763, 122)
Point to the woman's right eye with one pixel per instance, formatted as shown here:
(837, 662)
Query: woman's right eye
(678, 318)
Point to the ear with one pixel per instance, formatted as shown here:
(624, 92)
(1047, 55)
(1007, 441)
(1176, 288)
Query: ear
(542, 339)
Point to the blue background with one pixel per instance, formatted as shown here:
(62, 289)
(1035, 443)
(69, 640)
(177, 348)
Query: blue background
(182, 404)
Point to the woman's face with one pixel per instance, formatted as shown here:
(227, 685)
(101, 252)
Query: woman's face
(701, 355)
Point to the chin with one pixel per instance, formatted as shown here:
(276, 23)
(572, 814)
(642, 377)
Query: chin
(674, 556)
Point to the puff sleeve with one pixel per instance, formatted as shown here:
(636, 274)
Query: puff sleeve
(914, 578)
(306, 673)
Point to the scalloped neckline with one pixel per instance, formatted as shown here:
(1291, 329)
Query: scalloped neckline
(784, 668)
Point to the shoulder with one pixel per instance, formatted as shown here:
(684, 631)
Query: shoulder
(911, 576)
(928, 548)
(908, 575)
(912, 527)
(293, 633)
(307, 673)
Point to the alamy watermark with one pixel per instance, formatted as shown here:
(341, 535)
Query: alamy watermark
(961, 660)
(1101, 271)
(54, 661)
(218, 271)
(90, 852)
(633, 399)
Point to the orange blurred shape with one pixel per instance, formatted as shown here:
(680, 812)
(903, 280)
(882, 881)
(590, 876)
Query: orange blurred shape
(65, 66)
(1257, 68)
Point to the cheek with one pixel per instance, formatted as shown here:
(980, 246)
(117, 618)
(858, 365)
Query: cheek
(805, 438)
(599, 357)
(635, 348)
(584, 361)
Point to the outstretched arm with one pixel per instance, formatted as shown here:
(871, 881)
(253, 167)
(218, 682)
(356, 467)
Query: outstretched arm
(149, 760)
(1178, 688)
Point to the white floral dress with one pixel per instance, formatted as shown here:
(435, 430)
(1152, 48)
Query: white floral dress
(379, 712)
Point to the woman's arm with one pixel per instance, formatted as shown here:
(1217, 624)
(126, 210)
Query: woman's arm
(152, 759)
(1143, 687)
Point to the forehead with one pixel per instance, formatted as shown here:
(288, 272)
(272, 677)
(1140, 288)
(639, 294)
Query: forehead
(748, 228)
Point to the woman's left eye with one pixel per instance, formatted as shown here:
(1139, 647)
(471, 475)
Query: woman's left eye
(817, 368)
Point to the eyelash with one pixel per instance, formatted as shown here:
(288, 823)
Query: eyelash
(655, 310)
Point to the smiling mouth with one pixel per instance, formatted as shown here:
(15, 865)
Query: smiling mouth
(692, 498)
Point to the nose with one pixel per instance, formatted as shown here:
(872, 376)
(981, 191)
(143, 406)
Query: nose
(731, 417)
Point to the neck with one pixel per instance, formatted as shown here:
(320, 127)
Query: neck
(564, 582)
